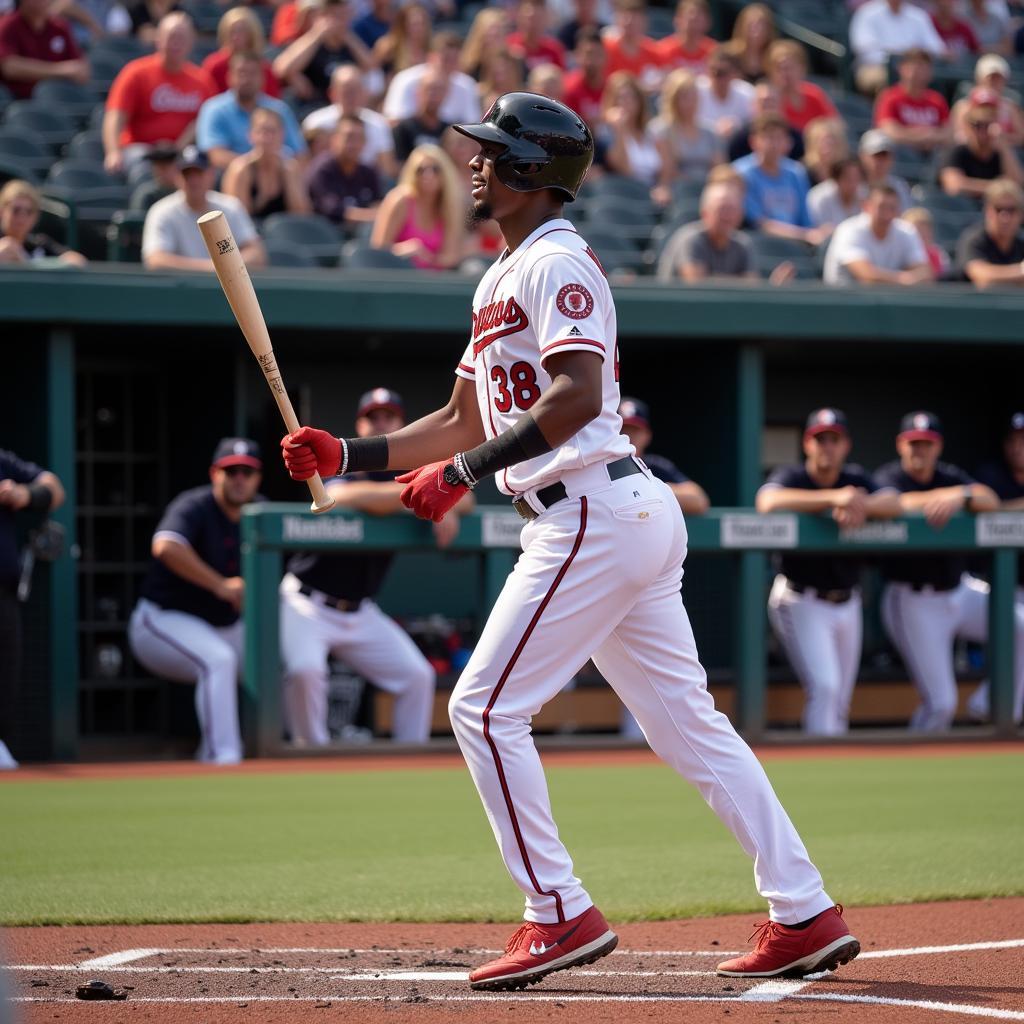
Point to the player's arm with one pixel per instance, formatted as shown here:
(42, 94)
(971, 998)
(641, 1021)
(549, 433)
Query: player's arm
(968, 497)
(773, 498)
(984, 274)
(692, 498)
(181, 558)
(374, 497)
(1012, 505)
(45, 492)
(883, 504)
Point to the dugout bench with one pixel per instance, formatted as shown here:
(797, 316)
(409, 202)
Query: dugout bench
(270, 529)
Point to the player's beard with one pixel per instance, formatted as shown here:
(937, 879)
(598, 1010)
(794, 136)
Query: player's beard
(479, 212)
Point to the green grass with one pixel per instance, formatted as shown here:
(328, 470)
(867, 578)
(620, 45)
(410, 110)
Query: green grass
(416, 845)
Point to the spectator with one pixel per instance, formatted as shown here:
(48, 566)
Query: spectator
(146, 15)
(170, 240)
(990, 23)
(766, 101)
(425, 125)
(815, 607)
(801, 101)
(712, 247)
(407, 44)
(687, 150)
(985, 156)
(485, 38)
(840, 196)
(461, 103)
(328, 606)
(881, 28)
(584, 85)
(689, 46)
(726, 102)
(876, 153)
(777, 187)
(547, 80)
(423, 217)
(875, 247)
(505, 73)
(343, 189)
(752, 35)
(156, 98)
(348, 96)
(629, 48)
(530, 39)
(222, 129)
(826, 142)
(956, 33)
(909, 112)
(239, 31)
(91, 19)
(267, 179)
(585, 16)
(35, 47)
(930, 600)
(291, 20)
(631, 150)
(992, 253)
(23, 486)
(19, 212)
(308, 63)
(186, 625)
(375, 23)
(923, 223)
(991, 74)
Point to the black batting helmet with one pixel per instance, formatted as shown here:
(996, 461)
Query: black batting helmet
(547, 145)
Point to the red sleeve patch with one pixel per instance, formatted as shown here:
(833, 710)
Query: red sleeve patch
(575, 302)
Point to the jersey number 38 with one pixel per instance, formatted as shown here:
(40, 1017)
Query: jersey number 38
(515, 387)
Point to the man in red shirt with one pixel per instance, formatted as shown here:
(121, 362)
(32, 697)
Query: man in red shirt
(629, 49)
(584, 86)
(34, 46)
(155, 98)
(909, 112)
(690, 45)
(529, 39)
(956, 33)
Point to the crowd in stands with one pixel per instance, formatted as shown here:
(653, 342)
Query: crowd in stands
(725, 148)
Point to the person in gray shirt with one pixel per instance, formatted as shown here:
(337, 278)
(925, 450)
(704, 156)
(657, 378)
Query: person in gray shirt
(840, 196)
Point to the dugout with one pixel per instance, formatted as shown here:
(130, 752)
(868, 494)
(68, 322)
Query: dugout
(124, 380)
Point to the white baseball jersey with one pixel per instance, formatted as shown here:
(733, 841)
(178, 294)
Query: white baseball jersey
(548, 296)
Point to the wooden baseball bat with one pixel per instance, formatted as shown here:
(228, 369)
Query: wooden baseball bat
(234, 279)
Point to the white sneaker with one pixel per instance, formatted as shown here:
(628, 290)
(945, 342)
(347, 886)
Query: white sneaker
(7, 762)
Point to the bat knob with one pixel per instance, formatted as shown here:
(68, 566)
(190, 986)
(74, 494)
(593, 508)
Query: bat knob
(324, 507)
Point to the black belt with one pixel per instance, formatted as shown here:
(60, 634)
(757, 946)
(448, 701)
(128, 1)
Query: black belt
(548, 496)
(339, 604)
(837, 596)
(938, 588)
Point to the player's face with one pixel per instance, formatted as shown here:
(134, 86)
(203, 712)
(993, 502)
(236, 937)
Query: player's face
(491, 198)
(379, 421)
(918, 458)
(1013, 448)
(639, 436)
(235, 485)
(827, 450)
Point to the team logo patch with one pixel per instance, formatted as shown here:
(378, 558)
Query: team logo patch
(575, 302)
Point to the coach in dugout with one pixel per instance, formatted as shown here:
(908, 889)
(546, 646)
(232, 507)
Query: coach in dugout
(23, 486)
(186, 626)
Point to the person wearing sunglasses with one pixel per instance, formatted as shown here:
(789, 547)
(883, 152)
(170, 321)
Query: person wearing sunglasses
(985, 156)
(991, 254)
(186, 626)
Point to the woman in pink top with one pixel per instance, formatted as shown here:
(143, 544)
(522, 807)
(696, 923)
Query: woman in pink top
(423, 217)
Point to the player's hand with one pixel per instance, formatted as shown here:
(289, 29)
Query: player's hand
(310, 451)
(446, 531)
(427, 494)
(851, 507)
(231, 590)
(13, 496)
(939, 509)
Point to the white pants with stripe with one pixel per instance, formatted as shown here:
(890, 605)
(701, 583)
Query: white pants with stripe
(822, 641)
(187, 649)
(600, 576)
(369, 642)
(924, 624)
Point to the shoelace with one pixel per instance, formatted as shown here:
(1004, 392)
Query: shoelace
(520, 933)
(765, 930)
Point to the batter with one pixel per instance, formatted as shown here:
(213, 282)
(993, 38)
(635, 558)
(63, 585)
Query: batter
(535, 404)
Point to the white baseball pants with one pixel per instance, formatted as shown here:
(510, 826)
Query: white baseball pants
(923, 625)
(370, 643)
(187, 649)
(822, 641)
(600, 576)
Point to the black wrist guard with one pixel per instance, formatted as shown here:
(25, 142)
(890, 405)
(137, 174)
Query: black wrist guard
(364, 453)
(522, 441)
(40, 497)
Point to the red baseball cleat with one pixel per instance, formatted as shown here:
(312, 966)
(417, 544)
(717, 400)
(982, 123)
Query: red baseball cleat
(537, 950)
(822, 946)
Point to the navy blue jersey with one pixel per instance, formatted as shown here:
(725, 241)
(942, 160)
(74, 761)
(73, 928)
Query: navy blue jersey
(195, 518)
(942, 571)
(997, 475)
(350, 577)
(21, 472)
(823, 572)
(665, 469)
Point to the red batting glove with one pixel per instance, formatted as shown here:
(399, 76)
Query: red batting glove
(427, 494)
(310, 451)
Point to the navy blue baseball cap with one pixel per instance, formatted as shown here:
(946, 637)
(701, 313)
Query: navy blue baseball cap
(237, 451)
(1016, 422)
(380, 398)
(192, 157)
(634, 413)
(826, 420)
(920, 426)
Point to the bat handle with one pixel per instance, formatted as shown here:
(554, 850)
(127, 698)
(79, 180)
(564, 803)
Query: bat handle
(322, 501)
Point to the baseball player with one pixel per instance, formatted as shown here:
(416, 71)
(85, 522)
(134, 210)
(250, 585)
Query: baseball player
(186, 625)
(328, 607)
(1006, 478)
(930, 599)
(814, 606)
(535, 404)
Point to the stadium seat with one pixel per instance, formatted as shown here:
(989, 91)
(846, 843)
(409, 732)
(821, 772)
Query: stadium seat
(205, 15)
(124, 47)
(614, 251)
(59, 219)
(360, 255)
(86, 181)
(11, 168)
(281, 255)
(104, 68)
(70, 98)
(5, 98)
(686, 189)
(47, 125)
(87, 146)
(616, 186)
(146, 193)
(780, 248)
(25, 150)
(316, 235)
(633, 220)
(124, 236)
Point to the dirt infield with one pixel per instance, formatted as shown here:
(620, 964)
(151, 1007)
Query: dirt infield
(922, 963)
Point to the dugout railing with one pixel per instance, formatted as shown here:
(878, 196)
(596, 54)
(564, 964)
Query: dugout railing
(269, 530)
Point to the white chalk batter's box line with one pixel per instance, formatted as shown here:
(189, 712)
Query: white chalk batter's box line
(769, 991)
